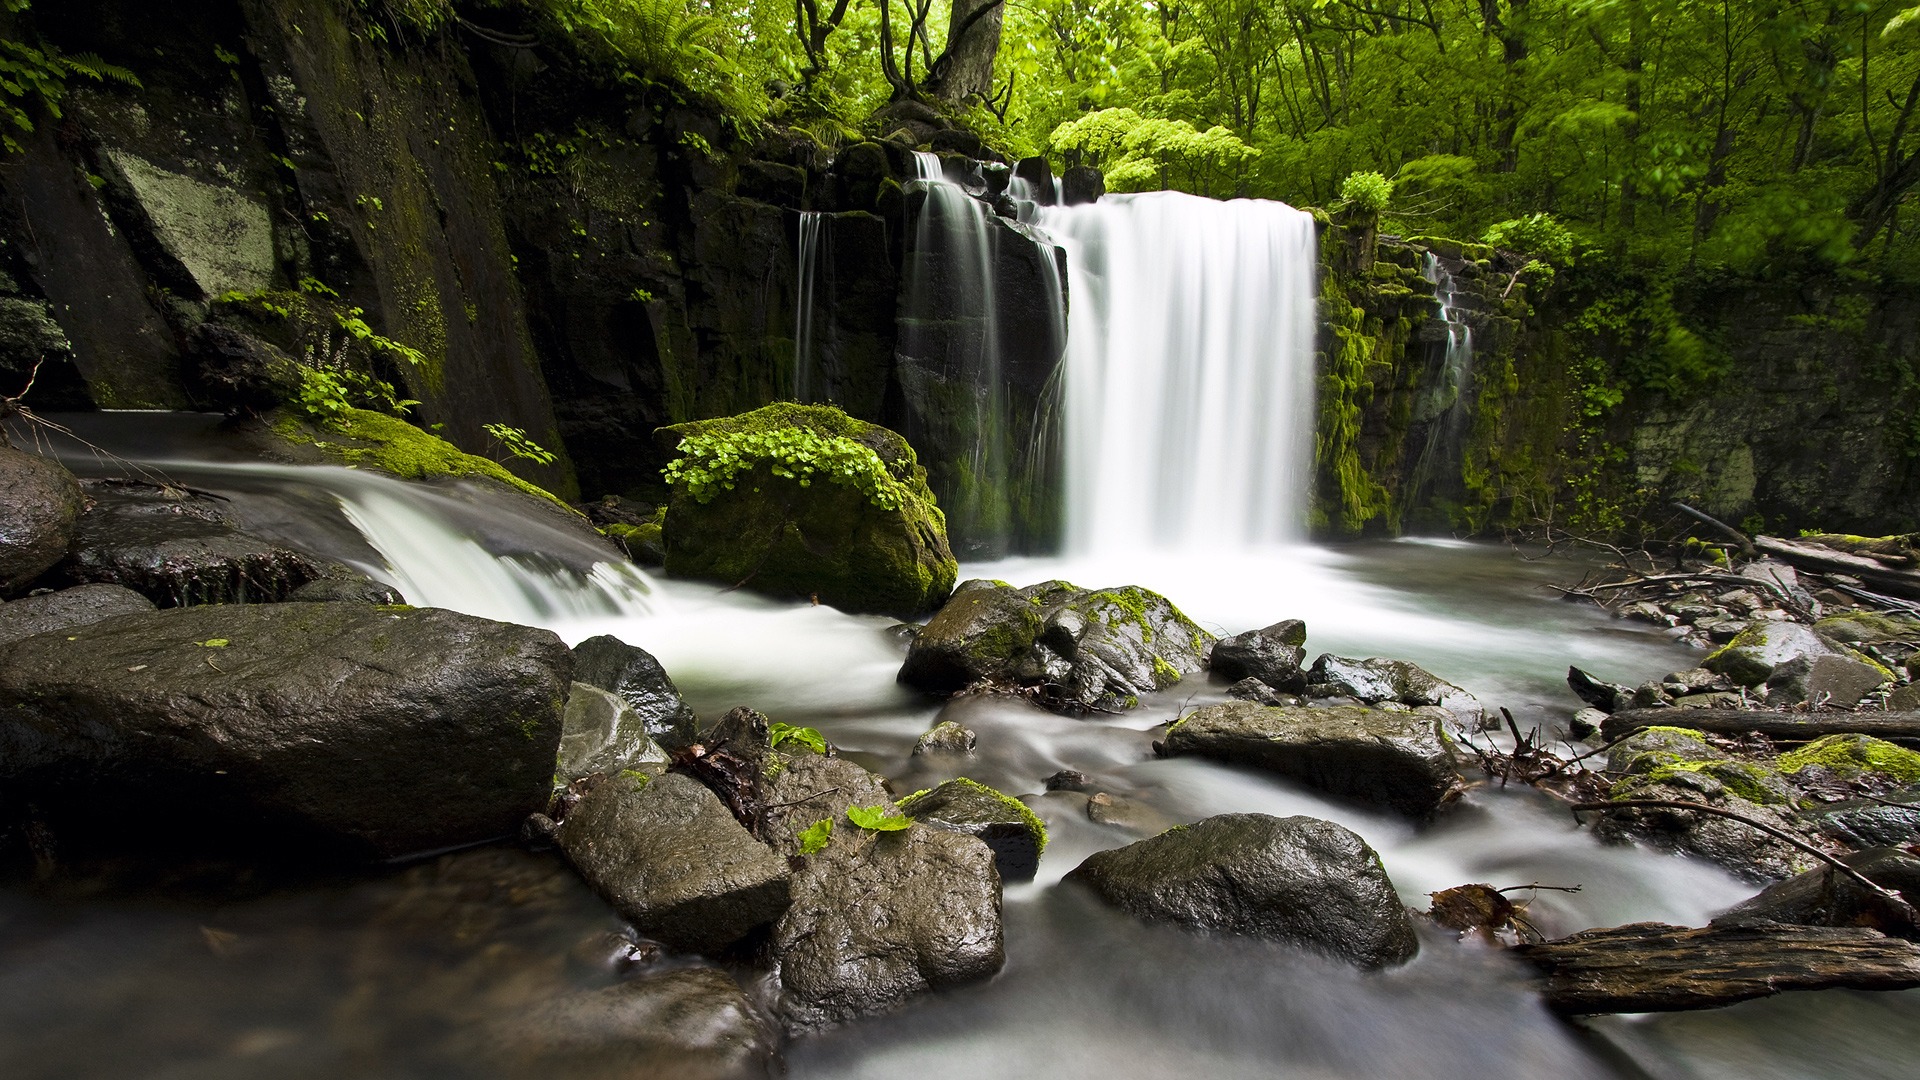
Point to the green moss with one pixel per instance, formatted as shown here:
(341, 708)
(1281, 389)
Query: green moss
(1754, 783)
(1164, 673)
(1013, 806)
(394, 446)
(1851, 755)
(638, 779)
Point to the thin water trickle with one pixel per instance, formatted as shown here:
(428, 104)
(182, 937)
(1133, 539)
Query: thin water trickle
(1448, 404)
(806, 275)
(1189, 391)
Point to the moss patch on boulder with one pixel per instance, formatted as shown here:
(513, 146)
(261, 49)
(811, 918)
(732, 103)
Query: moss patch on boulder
(1848, 756)
(371, 440)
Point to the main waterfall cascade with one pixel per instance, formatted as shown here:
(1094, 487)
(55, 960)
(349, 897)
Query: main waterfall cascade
(1189, 400)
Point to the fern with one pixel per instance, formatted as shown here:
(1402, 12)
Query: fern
(661, 41)
(34, 77)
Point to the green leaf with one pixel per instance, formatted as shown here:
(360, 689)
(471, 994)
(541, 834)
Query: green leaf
(213, 643)
(814, 837)
(805, 736)
(875, 819)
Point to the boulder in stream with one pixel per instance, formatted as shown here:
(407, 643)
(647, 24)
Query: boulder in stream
(39, 505)
(1074, 649)
(285, 728)
(602, 734)
(1822, 897)
(67, 608)
(1751, 658)
(637, 678)
(1015, 833)
(946, 737)
(178, 548)
(1298, 879)
(1271, 654)
(1398, 759)
(671, 858)
(804, 501)
(1377, 679)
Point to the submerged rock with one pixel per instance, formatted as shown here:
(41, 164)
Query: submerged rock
(947, 737)
(878, 918)
(177, 548)
(1295, 879)
(1003, 822)
(1399, 759)
(1271, 655)
(637, 678)
(285, 727)
(805, 501)
(67, 608)
(689, 1024)
(669, 856)
(1377, 679)
(1076, 649)
(39, 505)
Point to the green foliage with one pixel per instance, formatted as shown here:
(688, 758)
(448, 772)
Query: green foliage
(323, 397)
(805, 736)
(814, 838)
(1539, 235)
(515, 442)
(1367, 192)
(673, 42)
(33, 78)
(882, 818)
(1141, 153)
(711, 463)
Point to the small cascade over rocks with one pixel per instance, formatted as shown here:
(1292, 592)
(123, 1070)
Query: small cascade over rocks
(1447, 405)
(1189, 396)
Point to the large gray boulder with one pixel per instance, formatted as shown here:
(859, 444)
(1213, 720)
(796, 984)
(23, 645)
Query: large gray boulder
(1751, 658)
(1075, 649)
(1397, 759)
(1297, 879)
(878, 918)
(601, 734)
(177, 548)
(39, 504)
(670, 858)
(1002, 822)
(1377, 679)
(365, 731)
(689, 1024)
(640, 681)
(67, 608)
(1271, 654)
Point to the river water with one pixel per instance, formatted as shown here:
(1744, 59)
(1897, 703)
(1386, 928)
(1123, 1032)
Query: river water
(385, 975)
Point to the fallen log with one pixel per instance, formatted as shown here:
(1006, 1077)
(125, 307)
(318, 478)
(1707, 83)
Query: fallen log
(1654, 967)
(1892, 726)
(1821, 559)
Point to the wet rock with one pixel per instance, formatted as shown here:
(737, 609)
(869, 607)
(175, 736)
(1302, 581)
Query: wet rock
(1738, 847)
(1602, 695)
(1295, 879)
(670, 858)
(1399, 759)
(1272, 655)
(1890, 821)
(1001, 821)
(1069, 780)
(602, 734)
(284, 728)
(1585, 722)
(1077, 649)
(878, 918)
(176, 548)
(690, 1024)
(339, 584)
(78, 606)
(1750, 659)
(239, 372)
(40, 504)
(1648, 695)
(1038, 174)
(1105, 808)
(1254, 690)
(947, 737)
(1821, 897)
(1377, 679)
(881, 549)
(1082, 184)
(638, 679)
(807, 788)
(1839, 681)
(1851, 763)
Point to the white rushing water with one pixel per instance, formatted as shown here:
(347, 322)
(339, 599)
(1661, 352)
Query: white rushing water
(1189, 371)
(813, 224)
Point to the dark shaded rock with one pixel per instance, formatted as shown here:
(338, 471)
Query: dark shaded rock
(690, 1024)
(1069, 780)
(948, 737)
(955, 141)
(40, 505)
(1602, 695)
(670, 858)
(1077, 648)
(1251, 689)
(880, 917)
(286, 727)
(1863, 823)
(770, 182)
(1272, 655)
(884, 552)
(1377, 679)
(806, 788)
(861, 170)
(1082, 184)
(602, 734)
(1038, 174)
(1004, 823)
(1838, 681)
(1399, 759)
(1295, 879)
(638, 679)
(339, 585)
(1822, 897)
(67, 608)
(177, 548)
(239, 372)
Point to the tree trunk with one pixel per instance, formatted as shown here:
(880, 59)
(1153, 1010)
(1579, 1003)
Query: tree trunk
(973, 40)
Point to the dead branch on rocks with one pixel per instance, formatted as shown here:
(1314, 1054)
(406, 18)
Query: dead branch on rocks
(1785, 726)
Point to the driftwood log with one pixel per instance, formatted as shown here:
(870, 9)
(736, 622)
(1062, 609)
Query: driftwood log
(1821, 559)
(1653, 967)
(1892, 726)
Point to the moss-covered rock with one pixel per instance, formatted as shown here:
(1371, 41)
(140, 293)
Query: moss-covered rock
(1751, 657)
(1850, 757)
(804, 500)
(1015, 833)
(369, 440)
(1075, 649)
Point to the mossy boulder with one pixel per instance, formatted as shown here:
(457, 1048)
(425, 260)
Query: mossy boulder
(1015, 833)
(1854, 758)
(1869, 627)
(803, 501)
(365, 439)
(1751, 657)
(1672, 763)
(1074, 649)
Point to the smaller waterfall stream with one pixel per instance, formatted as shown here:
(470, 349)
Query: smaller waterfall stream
(1447, 407)
(813, 224)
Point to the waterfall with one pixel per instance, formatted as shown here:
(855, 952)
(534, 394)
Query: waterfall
(1446, 406)
(812, 224)
(1189, 398)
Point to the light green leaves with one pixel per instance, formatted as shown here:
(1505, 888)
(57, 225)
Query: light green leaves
(710, 463)
(213, 643)
(876, 819)
(813, 838)
(805, 736)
